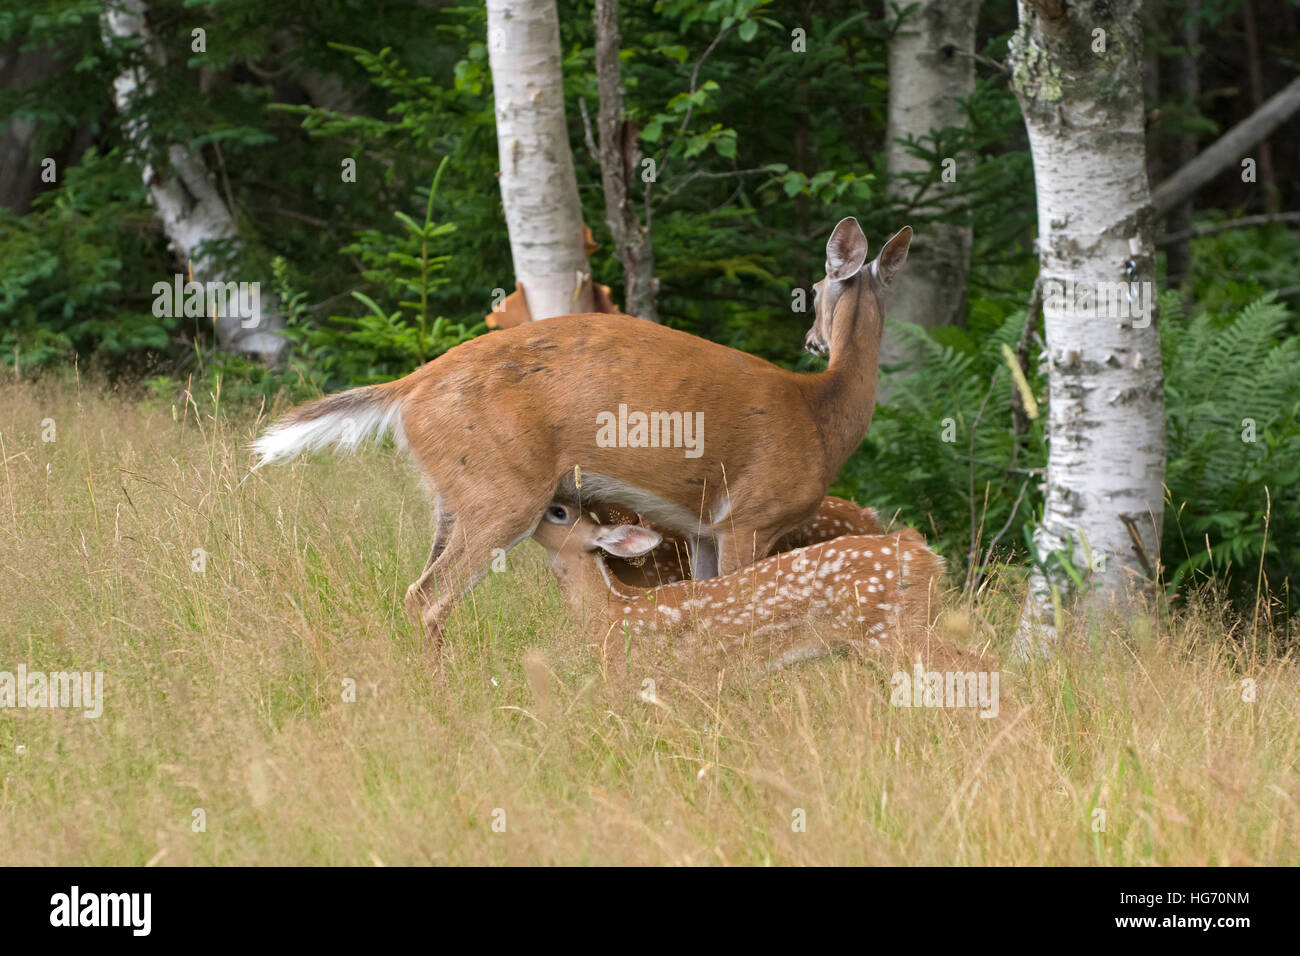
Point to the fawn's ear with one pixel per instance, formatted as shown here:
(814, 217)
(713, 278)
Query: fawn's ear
(627, 540)
(846, 250)
(893, 254)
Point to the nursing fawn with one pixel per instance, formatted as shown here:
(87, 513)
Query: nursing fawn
(863, 590)
(669, 561)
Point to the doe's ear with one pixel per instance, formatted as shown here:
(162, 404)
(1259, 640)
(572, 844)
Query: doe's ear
(846, 250)
(893, 254)
(628, 540)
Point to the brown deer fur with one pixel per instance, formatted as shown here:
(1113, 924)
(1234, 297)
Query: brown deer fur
(502, 423)
(867, 591)
(669, 561)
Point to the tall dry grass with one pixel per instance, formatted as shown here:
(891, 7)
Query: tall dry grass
(224, 692)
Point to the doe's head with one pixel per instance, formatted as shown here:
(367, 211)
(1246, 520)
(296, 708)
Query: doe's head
(848, 271)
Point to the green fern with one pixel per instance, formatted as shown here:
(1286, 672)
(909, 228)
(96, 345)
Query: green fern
(1228, 379)
(917, 458)
(1233, 409)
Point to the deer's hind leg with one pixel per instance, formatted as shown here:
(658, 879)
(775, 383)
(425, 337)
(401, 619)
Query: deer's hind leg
(444, 528)
(463, 550)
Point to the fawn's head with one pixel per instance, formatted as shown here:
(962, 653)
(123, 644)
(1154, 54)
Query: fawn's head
(846, 255)
(570, 537)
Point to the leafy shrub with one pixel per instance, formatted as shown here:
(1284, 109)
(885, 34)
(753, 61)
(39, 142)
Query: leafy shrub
(61, 289)
(381, 344)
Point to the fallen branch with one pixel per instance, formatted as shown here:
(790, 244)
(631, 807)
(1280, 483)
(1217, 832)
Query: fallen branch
(1227, 150)
(1246, 222)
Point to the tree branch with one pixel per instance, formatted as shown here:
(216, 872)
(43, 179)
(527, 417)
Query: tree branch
(1246, 222)
(984, 60)
(988, 555)
(695, 74)
(1227, 149)
(700, 174)
(592, 148)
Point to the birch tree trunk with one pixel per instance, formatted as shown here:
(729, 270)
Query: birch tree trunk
(1077, 71)
(931, 67)
(194, 217)
(619, 162)
(538, 186)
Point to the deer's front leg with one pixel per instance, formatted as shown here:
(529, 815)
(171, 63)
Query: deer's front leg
(704, 556)
(740, 546)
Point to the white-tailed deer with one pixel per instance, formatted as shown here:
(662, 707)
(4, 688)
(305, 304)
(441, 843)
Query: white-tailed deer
(499, 426)
(669, 561)
(868, 589)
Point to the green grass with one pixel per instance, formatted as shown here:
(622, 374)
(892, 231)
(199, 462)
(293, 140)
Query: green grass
(224, 692)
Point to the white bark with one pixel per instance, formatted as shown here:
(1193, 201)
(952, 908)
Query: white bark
(538, 187)
(190, 209)
(931, 67)
(1106, 431)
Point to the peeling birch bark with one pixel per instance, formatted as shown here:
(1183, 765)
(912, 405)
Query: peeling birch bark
(538, 186)
(1106, 428)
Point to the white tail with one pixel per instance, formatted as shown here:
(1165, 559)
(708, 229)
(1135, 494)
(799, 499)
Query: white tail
(867, 588)
(503, 423)
(347, 421)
